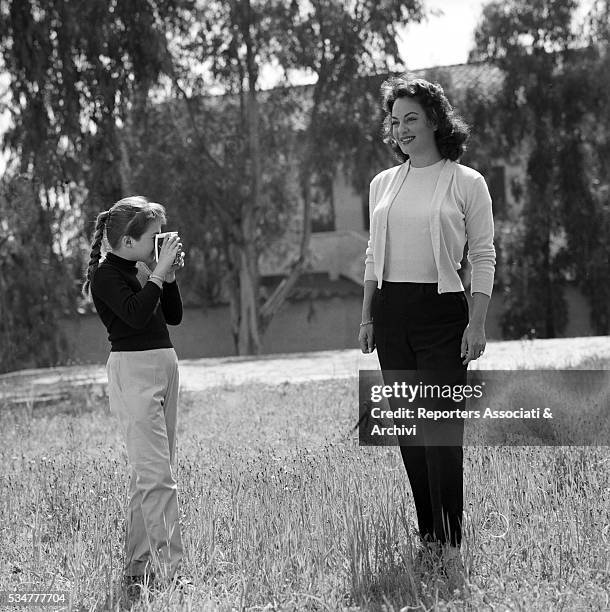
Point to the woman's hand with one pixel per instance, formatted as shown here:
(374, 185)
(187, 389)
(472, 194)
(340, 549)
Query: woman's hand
(473, 339)
(366, 338)
(473, 342)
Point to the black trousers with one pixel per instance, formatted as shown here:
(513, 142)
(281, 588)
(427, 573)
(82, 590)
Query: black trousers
(416, 328)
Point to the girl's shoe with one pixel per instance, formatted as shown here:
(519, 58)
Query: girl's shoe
(182, 583)
(133, 585)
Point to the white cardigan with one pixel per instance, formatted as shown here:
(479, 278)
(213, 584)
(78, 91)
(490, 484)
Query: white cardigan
(460, 212)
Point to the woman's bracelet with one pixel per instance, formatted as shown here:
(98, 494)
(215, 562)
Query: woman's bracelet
(365, 323)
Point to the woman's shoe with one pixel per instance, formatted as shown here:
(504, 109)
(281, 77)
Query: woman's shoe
(428, 557)
(453, 568)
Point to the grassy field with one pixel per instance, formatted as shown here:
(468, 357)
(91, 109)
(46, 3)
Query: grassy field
(282, 510)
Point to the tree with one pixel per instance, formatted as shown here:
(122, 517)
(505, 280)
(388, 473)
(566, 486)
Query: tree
(34, 287)
(82, 79)
(543, 115)
(76, 69)
(338, 43)
(595, 283)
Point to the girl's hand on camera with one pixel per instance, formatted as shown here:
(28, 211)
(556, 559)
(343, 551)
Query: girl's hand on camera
(167, 255)
(170, 277)
(179, 261)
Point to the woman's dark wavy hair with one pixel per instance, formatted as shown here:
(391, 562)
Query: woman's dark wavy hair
(128, 217)
(451, 133)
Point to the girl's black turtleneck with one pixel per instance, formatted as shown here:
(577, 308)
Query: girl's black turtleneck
(130, 312)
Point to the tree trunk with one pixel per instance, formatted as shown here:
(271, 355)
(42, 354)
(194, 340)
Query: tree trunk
(125, 170)
(248, 340)
(549, 311)
(248, 336)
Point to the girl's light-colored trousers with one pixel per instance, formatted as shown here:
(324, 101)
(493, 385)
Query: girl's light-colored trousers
(143, 393)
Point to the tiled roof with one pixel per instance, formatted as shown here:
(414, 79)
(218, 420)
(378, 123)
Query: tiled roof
(461, 76)
(336, 254)
(456, 76)
(315, 285)
(340, 253)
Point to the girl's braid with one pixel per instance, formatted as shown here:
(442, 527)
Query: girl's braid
(96, 250)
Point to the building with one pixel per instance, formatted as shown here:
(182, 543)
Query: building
(323, 310)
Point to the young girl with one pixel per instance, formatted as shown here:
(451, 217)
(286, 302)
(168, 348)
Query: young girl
(142, 375)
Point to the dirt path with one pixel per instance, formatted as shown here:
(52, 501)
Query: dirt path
(201, 374)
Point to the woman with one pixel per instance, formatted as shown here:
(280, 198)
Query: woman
(423, 213)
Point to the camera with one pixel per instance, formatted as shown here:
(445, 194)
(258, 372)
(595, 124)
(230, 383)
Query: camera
(159, 238)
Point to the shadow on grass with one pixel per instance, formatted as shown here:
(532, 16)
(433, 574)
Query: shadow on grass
(411, 587)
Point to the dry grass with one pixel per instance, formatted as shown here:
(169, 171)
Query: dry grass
(282, 510)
